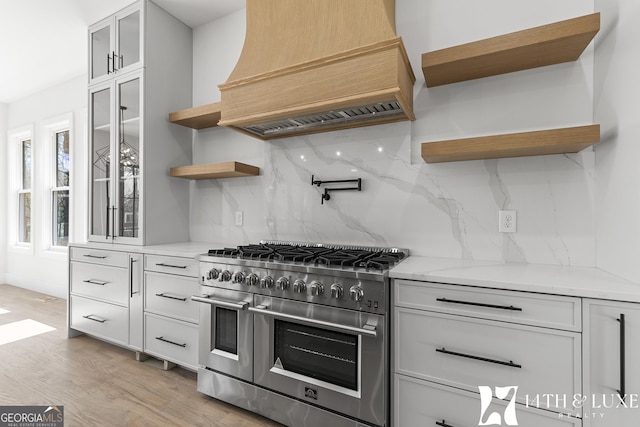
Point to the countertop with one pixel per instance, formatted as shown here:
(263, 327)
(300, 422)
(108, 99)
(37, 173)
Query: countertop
(182, 249)
(549, 279)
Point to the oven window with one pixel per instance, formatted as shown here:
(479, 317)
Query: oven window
(226, 331)
(317, 353)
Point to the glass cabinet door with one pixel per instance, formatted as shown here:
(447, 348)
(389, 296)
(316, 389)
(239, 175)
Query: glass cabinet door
(128, 39)
(100, 145)
(100, 51)
(128, 154)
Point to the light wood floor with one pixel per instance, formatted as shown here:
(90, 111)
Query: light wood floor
(97, 383)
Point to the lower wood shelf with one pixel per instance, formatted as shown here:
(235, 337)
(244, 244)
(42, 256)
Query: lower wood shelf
(214, 171)
(202, 117)
(536, 143)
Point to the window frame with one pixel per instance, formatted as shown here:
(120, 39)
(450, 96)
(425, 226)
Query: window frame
(16, 137)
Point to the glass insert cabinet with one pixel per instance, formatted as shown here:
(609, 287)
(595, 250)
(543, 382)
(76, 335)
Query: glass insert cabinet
(116, 161)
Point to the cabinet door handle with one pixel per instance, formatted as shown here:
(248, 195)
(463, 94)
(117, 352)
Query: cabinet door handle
(163, 295)
(482, 359)
(95, 256)
(443, 423)
(162, 264)
(108, 65)
(171, 342)
(479, 304)
(95, 282)
(131, 261)
(108, 224)
(113, 222)
(94, 318)
(621, 391)
(113, 61)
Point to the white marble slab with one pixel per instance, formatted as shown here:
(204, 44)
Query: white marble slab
(551, 279)
(181, 249)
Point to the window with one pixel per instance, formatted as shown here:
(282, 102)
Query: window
(60, 191)
(24, 191)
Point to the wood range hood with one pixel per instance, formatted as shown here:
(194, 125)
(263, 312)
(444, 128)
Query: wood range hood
(312, 66)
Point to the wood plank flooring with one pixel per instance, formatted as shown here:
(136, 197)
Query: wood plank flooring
(99, 384)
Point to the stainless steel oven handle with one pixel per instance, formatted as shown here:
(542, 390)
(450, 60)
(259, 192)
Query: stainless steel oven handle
(225, 304)
(367, 330)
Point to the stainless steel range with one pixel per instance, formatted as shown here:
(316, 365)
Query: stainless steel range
(298, 332)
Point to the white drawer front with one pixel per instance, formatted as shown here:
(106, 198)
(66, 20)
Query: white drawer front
(510, 306)
(101, 282)
(104, 320)
(171, 340)
(170, 295)
(99, 256)
(467, 353)
(420, 403)
(171, 265)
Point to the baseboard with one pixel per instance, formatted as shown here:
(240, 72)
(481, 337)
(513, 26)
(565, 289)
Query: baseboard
(47, 288)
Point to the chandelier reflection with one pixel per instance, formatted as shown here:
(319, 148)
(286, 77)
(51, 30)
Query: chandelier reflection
(129, 160)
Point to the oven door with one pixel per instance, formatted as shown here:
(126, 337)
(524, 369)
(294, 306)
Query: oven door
(325, 356)
(226, 332)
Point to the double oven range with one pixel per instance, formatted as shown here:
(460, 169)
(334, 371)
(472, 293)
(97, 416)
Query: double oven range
(298, 332)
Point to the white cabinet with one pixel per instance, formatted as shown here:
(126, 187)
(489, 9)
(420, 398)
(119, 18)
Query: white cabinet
(171, 318)
(105, 296)
(611, 353)
(458, 339)
(132, 199)
(115, 44)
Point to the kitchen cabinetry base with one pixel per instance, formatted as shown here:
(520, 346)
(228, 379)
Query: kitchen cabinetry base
(275, 406)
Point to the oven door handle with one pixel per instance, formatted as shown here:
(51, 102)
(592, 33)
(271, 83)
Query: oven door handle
(367, 330)
(221, 303)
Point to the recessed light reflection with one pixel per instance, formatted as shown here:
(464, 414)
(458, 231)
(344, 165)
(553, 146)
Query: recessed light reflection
(337, 153)
(380, 149)
(354, 170)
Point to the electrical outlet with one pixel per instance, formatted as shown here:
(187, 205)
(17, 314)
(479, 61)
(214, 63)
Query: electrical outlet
(239, 218)
(507, 221)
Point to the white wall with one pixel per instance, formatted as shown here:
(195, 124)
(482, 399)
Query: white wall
(446, 209)
(43, 270)
(617, 108)
(3, 191)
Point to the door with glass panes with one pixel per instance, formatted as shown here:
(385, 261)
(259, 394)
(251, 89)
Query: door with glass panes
(116, 134)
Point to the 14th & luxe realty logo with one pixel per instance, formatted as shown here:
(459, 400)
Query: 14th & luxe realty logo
(581, 406)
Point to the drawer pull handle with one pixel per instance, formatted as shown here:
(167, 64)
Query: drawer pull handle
(621, 391)
(95, 256)
(95, 282)
(483, 359)
(163, 295)
(162, 264)
(170, 342)
(94, 318)
(479, 304)
(443, 423)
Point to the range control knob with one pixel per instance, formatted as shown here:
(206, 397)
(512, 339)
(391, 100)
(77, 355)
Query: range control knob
(266, 282)
(213, 274)
(225, 276)
(238, 277)
(336, 291)
(356, 293)
(317, 288)
(282, 283)
(299, 286)
(252, 280)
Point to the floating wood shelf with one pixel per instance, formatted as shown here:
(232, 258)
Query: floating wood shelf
(536, 143)
(555, 43)
(215, 170)
(202, 117)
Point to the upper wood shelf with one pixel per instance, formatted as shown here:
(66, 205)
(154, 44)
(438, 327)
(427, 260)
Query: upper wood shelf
(214, 171)
(554, 43)
(202, 117)
(536, 143)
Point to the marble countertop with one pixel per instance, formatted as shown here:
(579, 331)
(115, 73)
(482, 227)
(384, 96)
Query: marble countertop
(550, 279)
(182, 249)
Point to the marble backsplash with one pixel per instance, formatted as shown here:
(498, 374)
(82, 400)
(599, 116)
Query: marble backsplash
(448, 209)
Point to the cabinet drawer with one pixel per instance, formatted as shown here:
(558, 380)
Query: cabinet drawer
(171, 340)
(99, 256)
(464, 352)
(172, 265)
(170, 295)
(510, 306)
(101, 319)
(101, 282)
(420, 403)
